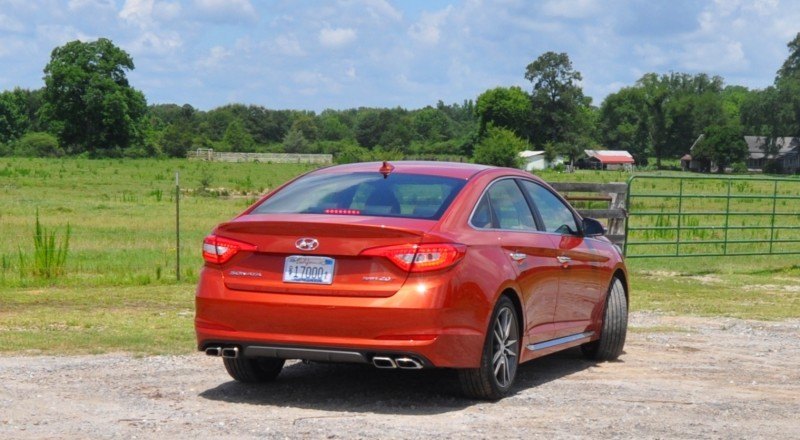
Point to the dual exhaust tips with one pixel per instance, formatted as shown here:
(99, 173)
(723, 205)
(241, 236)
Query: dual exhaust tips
(385, 362)
(226, 352)
(405, 363)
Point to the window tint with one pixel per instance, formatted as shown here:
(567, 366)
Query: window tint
(505, 201)
(399, 195)
(557, 217)
(482, 218)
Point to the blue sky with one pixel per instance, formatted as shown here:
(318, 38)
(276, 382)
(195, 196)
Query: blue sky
(341, 54)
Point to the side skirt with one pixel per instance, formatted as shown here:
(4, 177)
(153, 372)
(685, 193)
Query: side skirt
(559, 341)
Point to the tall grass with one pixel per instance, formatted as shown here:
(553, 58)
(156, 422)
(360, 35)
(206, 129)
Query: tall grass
(49, 254)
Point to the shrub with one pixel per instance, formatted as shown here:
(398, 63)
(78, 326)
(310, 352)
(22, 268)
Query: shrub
(499, 147)
(38, 144)
(739, 168)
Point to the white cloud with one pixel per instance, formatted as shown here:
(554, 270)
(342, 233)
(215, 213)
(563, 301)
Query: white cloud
(716, 56)
(148, 13)
(571, 8)
(288, 45)
(338, 37)
(158, 44)
(137, 11)
(11, 46)
(428, 28)
(7, 24)
(216, 57)
(54, 34)
(225, 11)
(75, 5)
(379, 9)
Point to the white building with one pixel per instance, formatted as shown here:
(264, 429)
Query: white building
(534, 160)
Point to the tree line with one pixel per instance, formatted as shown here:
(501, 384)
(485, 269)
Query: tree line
(87, 107)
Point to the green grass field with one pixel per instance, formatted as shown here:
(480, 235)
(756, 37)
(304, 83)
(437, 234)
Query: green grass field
(119, 290)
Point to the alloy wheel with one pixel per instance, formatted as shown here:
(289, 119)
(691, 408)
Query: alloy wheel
(504, 347)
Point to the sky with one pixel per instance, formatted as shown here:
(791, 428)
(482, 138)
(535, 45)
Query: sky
(313, 55)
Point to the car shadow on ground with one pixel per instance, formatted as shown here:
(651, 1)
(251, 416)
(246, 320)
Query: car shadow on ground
(362, 388)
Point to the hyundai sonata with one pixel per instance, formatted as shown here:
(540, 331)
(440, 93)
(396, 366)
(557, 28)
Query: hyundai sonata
(410, 265)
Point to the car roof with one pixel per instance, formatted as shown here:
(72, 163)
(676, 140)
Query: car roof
(445, 169)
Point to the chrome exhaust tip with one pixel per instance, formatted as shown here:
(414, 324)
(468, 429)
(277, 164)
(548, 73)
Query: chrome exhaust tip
(230, 352)
(383, 362)
(214, 351)
(408, 363)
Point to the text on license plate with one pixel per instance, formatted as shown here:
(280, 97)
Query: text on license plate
(308, 269)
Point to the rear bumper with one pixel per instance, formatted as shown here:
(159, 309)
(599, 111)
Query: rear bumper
(424, 319)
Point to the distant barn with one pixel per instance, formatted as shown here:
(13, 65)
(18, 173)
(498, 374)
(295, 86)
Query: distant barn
(609, 159)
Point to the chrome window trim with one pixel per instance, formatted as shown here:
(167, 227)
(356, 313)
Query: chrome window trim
(485, 190)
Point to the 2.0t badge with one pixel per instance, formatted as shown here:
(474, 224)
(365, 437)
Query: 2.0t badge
(306, 244)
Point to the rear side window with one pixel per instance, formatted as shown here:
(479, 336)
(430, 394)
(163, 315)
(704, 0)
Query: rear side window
(503, 207)
(398, 195)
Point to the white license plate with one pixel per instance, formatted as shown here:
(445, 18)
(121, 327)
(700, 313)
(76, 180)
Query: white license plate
(308, 269)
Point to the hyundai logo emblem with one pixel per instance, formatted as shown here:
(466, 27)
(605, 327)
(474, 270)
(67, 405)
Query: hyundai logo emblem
(306, 244)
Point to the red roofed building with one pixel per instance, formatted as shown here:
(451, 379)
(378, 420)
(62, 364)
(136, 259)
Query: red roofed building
(610, 159)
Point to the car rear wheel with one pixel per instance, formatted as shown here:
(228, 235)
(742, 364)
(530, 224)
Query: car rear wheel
(253, 370)
(615, 326)
(498, 369)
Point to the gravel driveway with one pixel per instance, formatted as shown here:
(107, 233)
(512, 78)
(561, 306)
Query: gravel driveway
(681, 377)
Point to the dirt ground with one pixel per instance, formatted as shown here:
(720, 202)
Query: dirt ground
(680, 377)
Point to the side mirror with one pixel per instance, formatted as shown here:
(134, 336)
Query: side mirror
(592, 228)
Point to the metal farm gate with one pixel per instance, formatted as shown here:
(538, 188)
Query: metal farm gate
(711, 216)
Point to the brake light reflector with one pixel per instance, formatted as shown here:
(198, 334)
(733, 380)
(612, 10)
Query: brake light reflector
(220, 250)
(421, 258)
(343, 211)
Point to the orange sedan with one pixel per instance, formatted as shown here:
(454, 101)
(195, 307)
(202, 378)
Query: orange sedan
(410, 265)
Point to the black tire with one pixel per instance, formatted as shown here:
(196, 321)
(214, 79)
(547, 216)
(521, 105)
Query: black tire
(615, 326)
(253, 370)
(500, 359)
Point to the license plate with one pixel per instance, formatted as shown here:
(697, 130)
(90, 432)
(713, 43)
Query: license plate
(308, 269)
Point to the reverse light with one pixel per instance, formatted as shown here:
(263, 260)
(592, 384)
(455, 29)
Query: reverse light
(421, 258)
(220, 250)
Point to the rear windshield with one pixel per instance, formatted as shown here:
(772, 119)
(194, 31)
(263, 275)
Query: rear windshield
(398, 195)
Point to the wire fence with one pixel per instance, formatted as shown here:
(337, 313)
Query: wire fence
(134, 251)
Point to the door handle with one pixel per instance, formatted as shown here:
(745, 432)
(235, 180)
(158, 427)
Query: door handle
(563, 260)
(517, 256)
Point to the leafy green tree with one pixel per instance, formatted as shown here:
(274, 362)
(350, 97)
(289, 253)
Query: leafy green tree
(767, 113)
(623, 123)
(556, 97)
(295, 142)
(722, 144)
(88, 101)
(307, 126)
(332, 126)
(508, 107)
(237, 138)
(432, 125)
(389, 128)
(13, 118)
(656, 94)
(679, 107)
(177, 139)
(500, 147)
(791, 67)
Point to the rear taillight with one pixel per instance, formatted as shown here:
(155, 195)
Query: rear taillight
(219, 250)
(421, 258)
